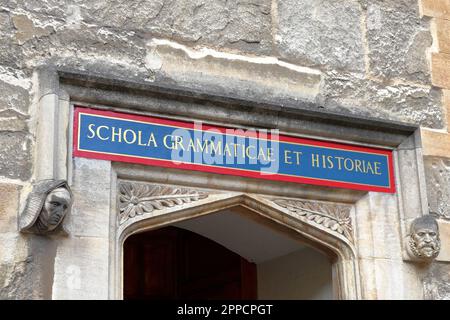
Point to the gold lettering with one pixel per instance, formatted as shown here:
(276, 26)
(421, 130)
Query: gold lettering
(270, 155)
(330, 162)
(247, 153)
(348, 160)
(358, 166)
(287, 158)
(116, 134)
(133, 135)
(235, 148)
(140, 139)
(98, 132)
(369, 168)
(91, 130)
(171, 140)
(261, 154)
(315, 160)
(179, 141)
(192, 145)
(151, 140)
(203, 147)
(377, 168)
(339, 162)
(216, 148)
(297, 154)
(226, 149)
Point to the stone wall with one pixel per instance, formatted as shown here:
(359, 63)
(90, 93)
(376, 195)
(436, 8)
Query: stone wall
(437, 143)
(360, 57)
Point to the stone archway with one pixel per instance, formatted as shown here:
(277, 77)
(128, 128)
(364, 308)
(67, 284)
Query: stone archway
(325, 226)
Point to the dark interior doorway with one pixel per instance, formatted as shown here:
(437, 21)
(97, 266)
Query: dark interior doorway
(173, 263)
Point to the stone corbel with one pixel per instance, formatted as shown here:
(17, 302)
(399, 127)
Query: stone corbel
(46, 208)
(423, 242)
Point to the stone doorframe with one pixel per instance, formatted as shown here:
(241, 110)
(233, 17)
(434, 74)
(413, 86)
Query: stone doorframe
(325, 226)
(373, 216)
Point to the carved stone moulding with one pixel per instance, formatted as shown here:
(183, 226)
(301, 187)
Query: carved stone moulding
(138, 199)
(334, 217)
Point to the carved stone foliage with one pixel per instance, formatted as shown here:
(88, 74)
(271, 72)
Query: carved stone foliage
(332, 216)
(136, 199)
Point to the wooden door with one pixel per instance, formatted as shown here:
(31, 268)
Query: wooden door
(172, 263)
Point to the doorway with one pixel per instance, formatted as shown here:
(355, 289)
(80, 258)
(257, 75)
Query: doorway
(173, 263)
(224, 255)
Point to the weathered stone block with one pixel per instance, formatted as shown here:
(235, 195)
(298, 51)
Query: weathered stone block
(435, 143)
(47, 7)
(39, 39)
(396, 280)
(351, 93)
(91, 207)
(437, 282)
(363, 230)
(389, 279)
(13, 97)
(444, 233)
(5, 24)
(437, 171)
(15, 155)
(443, 35)
(436, 8)
(375, 222)
(11, 54)
(321, 33)
(398, 40)
(81, 269)
(242, 25)
(440, 64)
(26, 29)
(15, 268)
(385, 226)
(258, 78)
(111, 48)
(11, 124)
(447, 106)
(9, 206)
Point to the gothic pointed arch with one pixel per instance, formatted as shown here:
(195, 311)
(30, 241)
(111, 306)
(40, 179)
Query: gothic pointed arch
(325, 226)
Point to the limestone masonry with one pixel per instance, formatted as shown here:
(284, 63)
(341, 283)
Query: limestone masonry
(370, 73)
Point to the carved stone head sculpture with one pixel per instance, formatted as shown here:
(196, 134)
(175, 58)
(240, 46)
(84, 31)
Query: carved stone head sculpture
(46, 207)
(424, 243)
